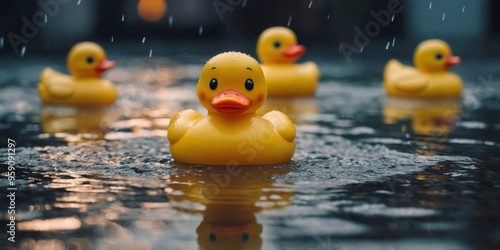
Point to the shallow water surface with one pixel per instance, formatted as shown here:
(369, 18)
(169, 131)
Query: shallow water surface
(369, 171)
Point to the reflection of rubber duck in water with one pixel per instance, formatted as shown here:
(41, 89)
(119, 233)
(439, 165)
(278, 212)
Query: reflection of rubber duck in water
(231, 87)
(78, 120)
(428, 117)
(430, 78)
(86, 62)
(231, 197)
(278, 50)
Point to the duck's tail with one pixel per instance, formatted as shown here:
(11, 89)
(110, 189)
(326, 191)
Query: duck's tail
(392, 66)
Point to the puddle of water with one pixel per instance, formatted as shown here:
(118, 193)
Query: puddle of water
(369, 171)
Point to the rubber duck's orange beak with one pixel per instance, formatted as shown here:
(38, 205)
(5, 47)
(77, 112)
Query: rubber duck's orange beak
(452, 61)
(294, 51)
(231, 102)
(104, 65)
(229, 229)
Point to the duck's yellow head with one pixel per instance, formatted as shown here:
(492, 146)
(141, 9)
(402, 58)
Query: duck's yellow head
(232, 83)
(278, 45)
(434, 56)
(87, 59)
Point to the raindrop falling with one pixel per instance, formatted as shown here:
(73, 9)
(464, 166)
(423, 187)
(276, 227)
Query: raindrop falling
(463, 9)
(45, 18)
(150, 52)
(361, 49)
(112, 38)
(1, 42)
(393, 41)
(170, 21)
(123, 18)
(23, 50)
(430, 5)
(289, 21)
(392, 18)
(200, 30)
(387, 46)
(444, 15)
(79, 2)
(143, 40)
(310, 4)
(328, 17)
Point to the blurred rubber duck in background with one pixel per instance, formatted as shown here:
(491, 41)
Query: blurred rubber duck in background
(231, 87)
(430, 78)
(278, 50)
(228, 201)
(86, 62)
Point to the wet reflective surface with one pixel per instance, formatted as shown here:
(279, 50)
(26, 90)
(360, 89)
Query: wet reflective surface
(369, 171)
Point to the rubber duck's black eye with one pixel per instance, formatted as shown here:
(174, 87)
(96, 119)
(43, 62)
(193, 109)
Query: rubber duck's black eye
(245, 238)
(249, 84)
(277, 44)
(439, 56)
(212, 237)
(213, 84)
(90, 60)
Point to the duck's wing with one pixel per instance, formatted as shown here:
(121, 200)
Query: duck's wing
(181, 123)
(411, 81)
(56, 84)
(404, 78)
(282, 124)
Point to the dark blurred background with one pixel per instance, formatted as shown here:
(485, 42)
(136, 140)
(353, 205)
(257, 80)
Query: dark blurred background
(472, 27)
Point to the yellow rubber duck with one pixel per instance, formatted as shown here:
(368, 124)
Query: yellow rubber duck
(86, 62)
(278, 50)
(430, 78)
(231, 87)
